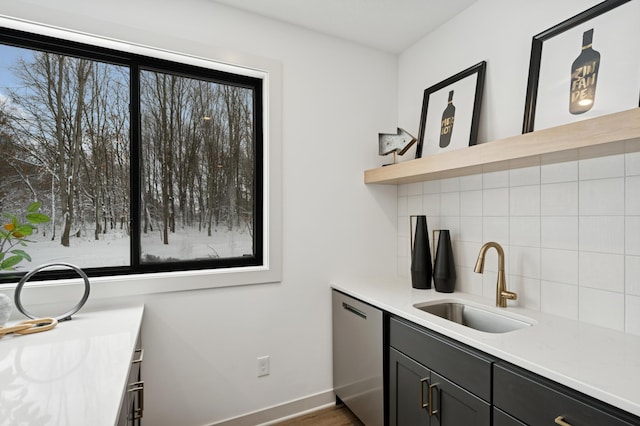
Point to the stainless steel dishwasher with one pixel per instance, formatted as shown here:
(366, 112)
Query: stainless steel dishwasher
(358, 358)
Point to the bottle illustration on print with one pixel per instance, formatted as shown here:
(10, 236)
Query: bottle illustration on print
(584, 77)
(446, 125)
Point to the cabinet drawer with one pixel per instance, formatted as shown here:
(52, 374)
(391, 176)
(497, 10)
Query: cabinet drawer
(464, 366)
(535, 400)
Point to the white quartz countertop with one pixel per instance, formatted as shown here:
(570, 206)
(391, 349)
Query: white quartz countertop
(597, 361)
(74, 374)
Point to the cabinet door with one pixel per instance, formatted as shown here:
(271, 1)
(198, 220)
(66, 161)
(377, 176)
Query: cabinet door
(408, 389)
(452, 405)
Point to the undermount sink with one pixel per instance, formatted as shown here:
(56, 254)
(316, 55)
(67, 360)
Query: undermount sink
(474, 317)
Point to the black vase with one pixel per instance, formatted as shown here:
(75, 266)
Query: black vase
(421, 270)
(444, 268)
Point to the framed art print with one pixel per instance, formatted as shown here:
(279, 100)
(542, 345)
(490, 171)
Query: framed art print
(451, 111)
(585, 67)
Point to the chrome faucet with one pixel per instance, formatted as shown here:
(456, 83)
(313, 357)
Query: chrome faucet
(501, 286)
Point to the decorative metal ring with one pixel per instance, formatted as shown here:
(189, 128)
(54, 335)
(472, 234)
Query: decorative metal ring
(66, 315)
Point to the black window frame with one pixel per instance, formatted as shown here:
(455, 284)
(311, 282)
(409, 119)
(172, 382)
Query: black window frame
(136, 63)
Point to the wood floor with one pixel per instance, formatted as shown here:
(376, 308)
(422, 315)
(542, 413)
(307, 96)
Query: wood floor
(334, 416)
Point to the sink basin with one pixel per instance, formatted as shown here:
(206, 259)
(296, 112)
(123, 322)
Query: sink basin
(474, 317)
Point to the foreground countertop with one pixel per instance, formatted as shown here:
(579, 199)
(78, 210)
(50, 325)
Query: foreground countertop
(597, 361)
(74, 374)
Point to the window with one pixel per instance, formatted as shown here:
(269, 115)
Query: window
(141, 164)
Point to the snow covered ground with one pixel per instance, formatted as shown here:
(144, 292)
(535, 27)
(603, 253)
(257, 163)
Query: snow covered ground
(113, 248)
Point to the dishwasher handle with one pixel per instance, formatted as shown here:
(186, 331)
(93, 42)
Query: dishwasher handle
(353, 310)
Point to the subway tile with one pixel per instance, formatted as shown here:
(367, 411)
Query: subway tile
(601, 167)
(498, 179)
(431, 205)
(604, 234)
(403, 206)
(471, 203)
(414, 189)
(602, 271)
(431, 187)
(495, 229)
(632, 275)
(471, 229)
(632, 315)
(468, 281)
(559, 266)
(452, 223)
(524, 200)
(559, 232)
(632, 231)
(602, 308)
(471, 182)
(632, 195)
(632, 163)
(559, 199)
(495, 202)
(466, 253)
(524, 261)
(489, 279)
(559, 299)
(527, 289)
(602, 197)
(450, 185)
(450, 204)
(403, 189)
(524, 176)
(524, 231)
(403, 248)
(559, 172)
(414, 205)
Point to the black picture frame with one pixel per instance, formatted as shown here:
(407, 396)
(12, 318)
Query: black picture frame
(470, 85)
(618, 94)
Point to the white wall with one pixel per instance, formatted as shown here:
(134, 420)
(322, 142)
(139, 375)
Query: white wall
(201, 346)
(570, 229)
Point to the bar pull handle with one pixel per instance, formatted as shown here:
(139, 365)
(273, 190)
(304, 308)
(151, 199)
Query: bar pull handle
(353, 310)
(422, 403)
(560, 421)
(431, 405)
(141, 352)
(138, 411)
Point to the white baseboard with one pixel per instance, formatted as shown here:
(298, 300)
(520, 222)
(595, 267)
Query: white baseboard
(278, 413)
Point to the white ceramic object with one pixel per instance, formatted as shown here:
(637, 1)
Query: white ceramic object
(5, 309)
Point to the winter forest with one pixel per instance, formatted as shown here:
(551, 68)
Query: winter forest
(65, 128)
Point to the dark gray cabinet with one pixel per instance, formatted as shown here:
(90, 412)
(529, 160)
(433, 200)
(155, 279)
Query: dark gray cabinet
(436, 381)
(534, 400)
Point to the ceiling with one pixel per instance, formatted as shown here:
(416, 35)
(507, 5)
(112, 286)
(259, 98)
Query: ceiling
(389, 25)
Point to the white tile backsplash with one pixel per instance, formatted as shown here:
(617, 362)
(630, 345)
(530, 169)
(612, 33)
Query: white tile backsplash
(559, 232)
(524, 200)
(601, 307)
(602, 270)
(601, 167)
(602, 234)
(559, 199)
(570, 231)
(601, 197)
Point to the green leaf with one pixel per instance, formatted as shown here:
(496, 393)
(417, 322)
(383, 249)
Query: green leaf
(22, 254)
(33, 207)
(37, 218)
(10, 262)
(25, 229)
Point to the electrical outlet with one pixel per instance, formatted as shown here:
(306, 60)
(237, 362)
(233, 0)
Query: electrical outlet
(263, 366)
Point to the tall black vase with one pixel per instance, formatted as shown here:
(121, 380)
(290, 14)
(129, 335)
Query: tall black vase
(421, 270)
(444, 268)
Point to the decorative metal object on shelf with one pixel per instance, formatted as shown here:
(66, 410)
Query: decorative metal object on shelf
(65, 316)
(421, 269)
(397, 143)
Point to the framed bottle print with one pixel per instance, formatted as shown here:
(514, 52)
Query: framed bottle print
(451, 111)
(585, 67)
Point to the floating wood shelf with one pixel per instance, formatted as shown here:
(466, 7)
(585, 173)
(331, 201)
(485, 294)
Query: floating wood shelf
(606, 135)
